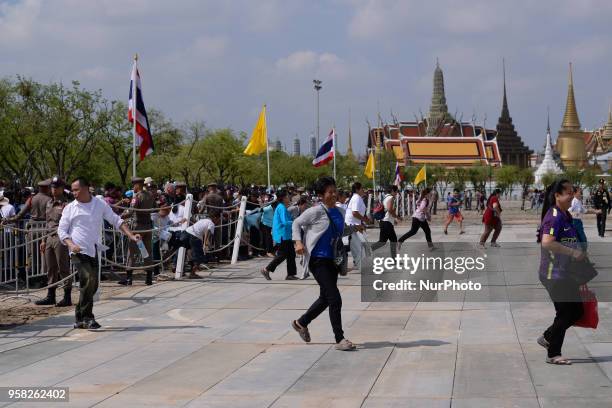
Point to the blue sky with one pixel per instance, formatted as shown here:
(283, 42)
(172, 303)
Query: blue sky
(220, 61)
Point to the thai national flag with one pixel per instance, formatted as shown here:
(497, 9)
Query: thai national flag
(326, 151)
(398, 175)
(143, 131)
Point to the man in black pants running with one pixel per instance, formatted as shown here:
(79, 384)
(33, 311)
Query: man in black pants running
(387, 230)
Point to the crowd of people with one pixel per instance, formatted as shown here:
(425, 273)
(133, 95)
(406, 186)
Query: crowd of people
(320, 226)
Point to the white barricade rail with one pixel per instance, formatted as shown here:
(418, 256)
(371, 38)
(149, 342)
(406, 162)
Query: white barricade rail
(21, 259)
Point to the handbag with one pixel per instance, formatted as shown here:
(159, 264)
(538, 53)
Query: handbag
(338, 250)
(581, 272)
(590, 316)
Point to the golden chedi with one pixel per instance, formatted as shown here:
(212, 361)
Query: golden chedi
(570, 143)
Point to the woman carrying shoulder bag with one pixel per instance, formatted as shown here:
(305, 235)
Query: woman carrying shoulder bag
(559, 241)
(323, 227)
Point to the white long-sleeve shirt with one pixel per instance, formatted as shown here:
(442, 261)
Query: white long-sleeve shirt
(83, 223)
(577, 209)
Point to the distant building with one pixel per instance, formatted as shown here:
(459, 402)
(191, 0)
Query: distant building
(438, 139)
(278, 146)
(296, 147)
(313, 146)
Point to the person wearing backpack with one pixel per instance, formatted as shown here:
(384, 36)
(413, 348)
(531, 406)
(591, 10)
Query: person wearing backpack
(420, 219)
(387, 230)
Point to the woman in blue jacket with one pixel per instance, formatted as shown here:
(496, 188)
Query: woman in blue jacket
(281, 234)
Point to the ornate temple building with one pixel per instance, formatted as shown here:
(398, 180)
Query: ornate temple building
(600, 142)
(441, 139)
(549, 164)
(511, 147)
(572, 141)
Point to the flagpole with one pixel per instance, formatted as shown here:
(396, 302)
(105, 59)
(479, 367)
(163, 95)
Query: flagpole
(267, 150)
(334, 146)
(374, 171)
(134, 89)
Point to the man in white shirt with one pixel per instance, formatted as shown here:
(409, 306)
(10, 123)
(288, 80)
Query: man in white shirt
(387, 229)
(199, 234)
(6, 208)
(577, 210)
(80, 229)
(355, 215)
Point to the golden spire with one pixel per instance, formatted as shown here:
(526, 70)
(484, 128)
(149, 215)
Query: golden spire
(570, 119)
(608, 126)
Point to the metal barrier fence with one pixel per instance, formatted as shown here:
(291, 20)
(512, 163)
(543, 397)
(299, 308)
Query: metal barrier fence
(21, 258)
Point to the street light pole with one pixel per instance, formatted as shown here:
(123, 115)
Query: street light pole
(317, 87)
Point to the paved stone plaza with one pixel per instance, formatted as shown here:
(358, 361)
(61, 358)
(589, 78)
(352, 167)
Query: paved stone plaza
(226, 341)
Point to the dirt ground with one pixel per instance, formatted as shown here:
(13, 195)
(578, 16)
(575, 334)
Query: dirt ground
(21, 310)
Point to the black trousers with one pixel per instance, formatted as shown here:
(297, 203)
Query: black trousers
(87, 268)
(266, 233)
(566, 298)
(416, 224)
(255, 241)
(601, 223)
(285, 252)
(326, 274)
(387, 233)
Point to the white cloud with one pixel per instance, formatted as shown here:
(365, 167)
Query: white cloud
(17, 22)
(326, 65)
(95, 73)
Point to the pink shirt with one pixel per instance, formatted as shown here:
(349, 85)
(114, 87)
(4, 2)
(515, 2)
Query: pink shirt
(422, 211)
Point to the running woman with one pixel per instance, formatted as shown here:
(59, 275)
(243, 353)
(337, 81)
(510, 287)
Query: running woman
(421, 218)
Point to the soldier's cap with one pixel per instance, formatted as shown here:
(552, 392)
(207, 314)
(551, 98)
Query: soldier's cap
(57, 182)
(212, 185)
(300, 189)
(4, 201)
(137, 180)
(44, 183)
(181, 184)
(148, 180)
(602, 181)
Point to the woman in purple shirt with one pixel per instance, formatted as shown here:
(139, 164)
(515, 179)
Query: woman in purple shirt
(559, 247)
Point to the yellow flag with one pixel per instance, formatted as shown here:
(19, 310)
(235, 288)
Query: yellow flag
(421, 176)
(259, 139)
(369, 168)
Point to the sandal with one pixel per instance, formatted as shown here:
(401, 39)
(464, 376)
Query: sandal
(302, 331)
(345, 345)
(543, 342)
(558, 360)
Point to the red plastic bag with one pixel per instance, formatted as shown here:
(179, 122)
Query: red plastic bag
(590, 317)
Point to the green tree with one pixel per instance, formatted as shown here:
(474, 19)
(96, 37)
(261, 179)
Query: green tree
(478, 175)
(507, 177)
(526, 179)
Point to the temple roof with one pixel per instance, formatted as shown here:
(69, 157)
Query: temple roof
(570, 118)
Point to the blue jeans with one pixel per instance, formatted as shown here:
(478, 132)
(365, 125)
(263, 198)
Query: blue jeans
(582, 239)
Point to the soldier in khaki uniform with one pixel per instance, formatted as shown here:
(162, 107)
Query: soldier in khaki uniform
(142, 200)
(57, 260)
(37, 205)
(601, 201)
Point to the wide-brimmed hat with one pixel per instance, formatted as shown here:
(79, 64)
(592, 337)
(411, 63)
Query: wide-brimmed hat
(4, 201)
